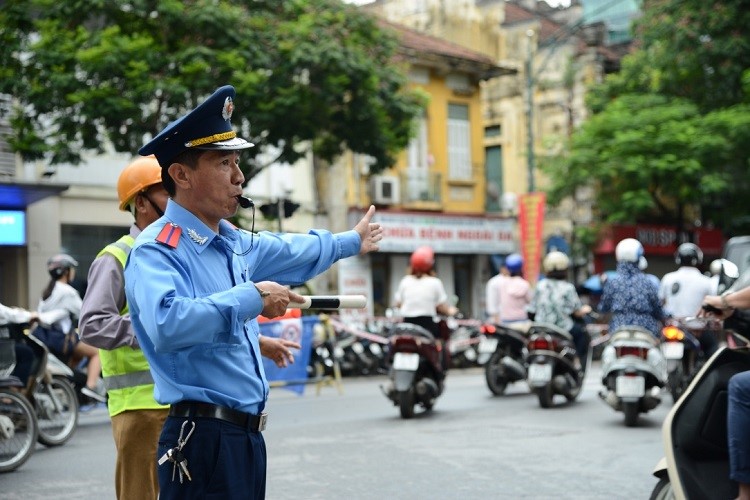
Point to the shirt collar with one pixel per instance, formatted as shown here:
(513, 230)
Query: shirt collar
(194, 230)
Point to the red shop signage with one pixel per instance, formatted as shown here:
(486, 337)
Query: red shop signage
(662, 239)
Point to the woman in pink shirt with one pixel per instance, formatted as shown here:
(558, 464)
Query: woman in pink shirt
(508, 295)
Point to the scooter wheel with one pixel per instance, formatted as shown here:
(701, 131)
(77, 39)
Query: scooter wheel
(493, 374)
(545, 395)
(631, 414)
(662, 490)
(406, 404)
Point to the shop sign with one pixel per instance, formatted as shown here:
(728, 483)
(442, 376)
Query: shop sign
(403, 232)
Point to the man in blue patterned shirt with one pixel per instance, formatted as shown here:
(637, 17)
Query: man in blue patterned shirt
(630, 296)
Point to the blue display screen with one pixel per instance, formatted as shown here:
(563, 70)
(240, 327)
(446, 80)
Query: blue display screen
(12, 227)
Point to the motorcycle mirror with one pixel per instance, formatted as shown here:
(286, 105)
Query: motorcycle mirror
(738, 283)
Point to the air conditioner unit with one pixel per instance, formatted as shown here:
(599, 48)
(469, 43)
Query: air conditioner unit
(384, 189)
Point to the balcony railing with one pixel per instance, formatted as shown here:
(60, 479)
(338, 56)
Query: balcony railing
(420, 187)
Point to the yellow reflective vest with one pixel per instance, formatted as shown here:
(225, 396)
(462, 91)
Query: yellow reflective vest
(125, 369)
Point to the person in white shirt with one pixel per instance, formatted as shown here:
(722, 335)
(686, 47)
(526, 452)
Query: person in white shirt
(63, 303)
(421, 295)
(682, 291)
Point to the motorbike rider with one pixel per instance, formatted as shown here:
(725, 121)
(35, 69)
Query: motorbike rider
(629, 296)
(682, 291)
(508, 295)
(63, 304)
(555, 301)
(421, 295)
(738, 410)
(24, 353)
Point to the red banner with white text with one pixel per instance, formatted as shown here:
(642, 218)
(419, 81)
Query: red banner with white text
(530, 223)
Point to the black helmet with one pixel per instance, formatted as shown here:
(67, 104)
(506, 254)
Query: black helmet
(58, 264)
(688, 254)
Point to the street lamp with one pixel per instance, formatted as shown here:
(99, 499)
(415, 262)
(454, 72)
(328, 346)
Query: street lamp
(530, 110)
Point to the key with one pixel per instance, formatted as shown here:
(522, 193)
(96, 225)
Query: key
(184, 470)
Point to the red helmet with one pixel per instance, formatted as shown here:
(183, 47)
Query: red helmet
(422, 260)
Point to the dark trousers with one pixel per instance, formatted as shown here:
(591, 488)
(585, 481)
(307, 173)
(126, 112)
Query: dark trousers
(738, 427)
(24, 362)
(581, 340)
(224, 460)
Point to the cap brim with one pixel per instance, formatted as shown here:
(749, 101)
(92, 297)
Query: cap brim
(228, 145)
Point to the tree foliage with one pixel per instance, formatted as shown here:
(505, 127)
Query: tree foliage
(670, 130)
(87, 72)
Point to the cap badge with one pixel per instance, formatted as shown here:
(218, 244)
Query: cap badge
(226, 112)
(197, 237)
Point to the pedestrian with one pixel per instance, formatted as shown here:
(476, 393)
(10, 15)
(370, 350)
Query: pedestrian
(630, 297)
(508, 294)
(556, 301)
(195, 285)
(62, 305)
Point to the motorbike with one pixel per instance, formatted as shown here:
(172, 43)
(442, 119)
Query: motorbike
(694, 433)
(505, 350)
(50, 390)
(633, 372)
(553, 364)
(463, 343)
(681, 347)
(416, 370)
(18, 425)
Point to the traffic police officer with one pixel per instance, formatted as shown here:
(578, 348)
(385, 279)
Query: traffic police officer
(195, 285)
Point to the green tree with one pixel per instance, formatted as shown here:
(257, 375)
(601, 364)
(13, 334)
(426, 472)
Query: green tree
(687, 48)
(669, 132)
(649, 157)
(85, 73)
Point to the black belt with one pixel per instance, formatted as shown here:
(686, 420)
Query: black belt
(255, 423)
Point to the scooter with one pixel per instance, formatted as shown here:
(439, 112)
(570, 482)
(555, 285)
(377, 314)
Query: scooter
(633, 372)
(18, 425)
(416, 369)
(694, 433)
(507, 351)
(50, 390)
(553, 364)
(682, 349)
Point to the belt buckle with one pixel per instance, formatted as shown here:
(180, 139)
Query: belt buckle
(262, 422)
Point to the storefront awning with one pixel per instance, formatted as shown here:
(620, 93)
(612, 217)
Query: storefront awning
(19, 195)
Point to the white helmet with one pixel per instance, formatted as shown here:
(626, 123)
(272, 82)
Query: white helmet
(715, 267)
(642, 263)
(555, 261)
(629, 250)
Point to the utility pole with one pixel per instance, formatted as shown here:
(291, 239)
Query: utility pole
(530, 110)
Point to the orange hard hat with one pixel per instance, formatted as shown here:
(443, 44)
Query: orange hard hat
(141, 174)
(422, 260)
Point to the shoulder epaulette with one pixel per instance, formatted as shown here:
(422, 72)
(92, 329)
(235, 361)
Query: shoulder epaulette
(170, 235)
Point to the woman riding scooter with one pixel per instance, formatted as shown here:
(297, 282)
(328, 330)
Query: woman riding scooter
(63, 304)
(555, 301)
(421, 295)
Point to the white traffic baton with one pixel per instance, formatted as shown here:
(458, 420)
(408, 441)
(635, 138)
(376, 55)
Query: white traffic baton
(328, 302)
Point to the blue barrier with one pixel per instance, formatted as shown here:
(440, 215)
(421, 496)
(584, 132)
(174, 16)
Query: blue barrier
(294, 376)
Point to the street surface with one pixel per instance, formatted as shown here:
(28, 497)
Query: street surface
(355, 446)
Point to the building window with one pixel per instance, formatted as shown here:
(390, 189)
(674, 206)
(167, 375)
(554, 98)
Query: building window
(459, 143)
(418, 168)
(493, 131)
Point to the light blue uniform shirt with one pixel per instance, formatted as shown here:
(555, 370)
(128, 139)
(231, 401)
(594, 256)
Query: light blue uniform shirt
(193, 308)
